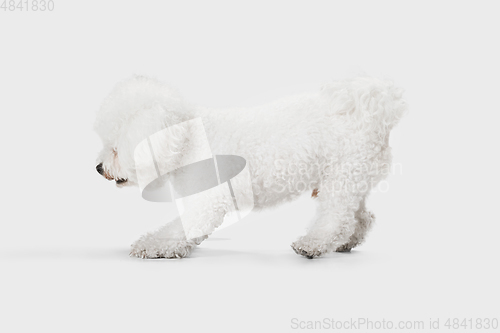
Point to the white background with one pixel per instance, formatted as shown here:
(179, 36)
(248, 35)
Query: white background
(65, 231)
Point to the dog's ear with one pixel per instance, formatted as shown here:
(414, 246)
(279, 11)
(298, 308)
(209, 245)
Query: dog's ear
(181, 144)
(152, 126)
(171, 148)
(169, 145)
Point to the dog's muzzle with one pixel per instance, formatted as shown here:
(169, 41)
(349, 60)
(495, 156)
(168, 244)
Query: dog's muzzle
(100, 170)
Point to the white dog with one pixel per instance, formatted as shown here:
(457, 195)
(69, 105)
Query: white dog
(333, 142)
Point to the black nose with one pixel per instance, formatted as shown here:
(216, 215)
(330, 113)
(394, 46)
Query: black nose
(99, 168)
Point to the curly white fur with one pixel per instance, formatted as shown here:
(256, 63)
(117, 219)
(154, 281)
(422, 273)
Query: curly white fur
(334, 141)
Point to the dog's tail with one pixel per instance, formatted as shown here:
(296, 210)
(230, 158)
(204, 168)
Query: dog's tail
(366, 103)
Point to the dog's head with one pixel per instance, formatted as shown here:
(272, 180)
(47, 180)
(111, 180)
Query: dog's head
(135, 109)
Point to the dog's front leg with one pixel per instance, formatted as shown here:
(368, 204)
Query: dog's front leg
(168, 241)
(178, 238)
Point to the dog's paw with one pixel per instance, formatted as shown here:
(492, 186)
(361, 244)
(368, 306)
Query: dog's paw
(148, 247)
(308, 248)
(344, 248)
(178, 251)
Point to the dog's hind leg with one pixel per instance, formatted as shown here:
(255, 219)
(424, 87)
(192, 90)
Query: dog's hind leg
(340, 211)
(333, 226)
(365, 220)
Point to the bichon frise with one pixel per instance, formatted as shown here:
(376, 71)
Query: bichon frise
(333, 143)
